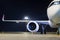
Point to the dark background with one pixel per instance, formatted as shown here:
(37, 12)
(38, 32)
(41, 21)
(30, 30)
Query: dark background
(17, 9)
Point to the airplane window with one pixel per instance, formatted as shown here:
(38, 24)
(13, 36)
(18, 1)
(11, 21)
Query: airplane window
(54, 3)
(57, 2)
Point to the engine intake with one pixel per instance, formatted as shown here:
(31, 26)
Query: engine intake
(32, 26)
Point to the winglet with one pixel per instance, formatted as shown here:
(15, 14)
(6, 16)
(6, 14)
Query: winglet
(3, 18)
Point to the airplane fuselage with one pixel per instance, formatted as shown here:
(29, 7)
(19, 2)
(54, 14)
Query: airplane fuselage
(53, 13)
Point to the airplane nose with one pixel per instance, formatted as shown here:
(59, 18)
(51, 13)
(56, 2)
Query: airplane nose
(53, 11)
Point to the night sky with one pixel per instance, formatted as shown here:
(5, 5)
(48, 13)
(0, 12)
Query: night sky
(18, 9)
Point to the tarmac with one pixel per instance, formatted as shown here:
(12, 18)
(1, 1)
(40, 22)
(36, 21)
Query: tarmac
(28, 36)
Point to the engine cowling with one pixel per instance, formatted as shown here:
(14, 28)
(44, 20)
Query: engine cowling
(32, 26)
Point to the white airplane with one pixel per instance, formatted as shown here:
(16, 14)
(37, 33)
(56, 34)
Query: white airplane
(53, 13)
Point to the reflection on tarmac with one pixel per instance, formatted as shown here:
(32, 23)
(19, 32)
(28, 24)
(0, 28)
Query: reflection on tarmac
(28, 36)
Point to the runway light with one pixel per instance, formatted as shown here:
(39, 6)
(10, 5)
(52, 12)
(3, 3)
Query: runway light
(26, 17)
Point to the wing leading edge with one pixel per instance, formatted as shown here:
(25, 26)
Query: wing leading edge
(17, 21)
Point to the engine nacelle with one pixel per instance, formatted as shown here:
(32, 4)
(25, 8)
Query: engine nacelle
(32, 26)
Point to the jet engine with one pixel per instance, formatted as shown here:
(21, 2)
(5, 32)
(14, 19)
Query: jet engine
(32, 26)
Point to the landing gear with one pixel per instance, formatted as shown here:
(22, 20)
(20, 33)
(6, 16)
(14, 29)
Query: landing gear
(58, 32)
(43, 29)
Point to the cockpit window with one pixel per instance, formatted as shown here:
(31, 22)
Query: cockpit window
(54, 3)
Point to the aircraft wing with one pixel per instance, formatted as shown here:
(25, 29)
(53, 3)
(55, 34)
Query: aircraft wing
(17, 21)
(43, 21)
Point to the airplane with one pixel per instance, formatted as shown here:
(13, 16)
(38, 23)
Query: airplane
(53, 13)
